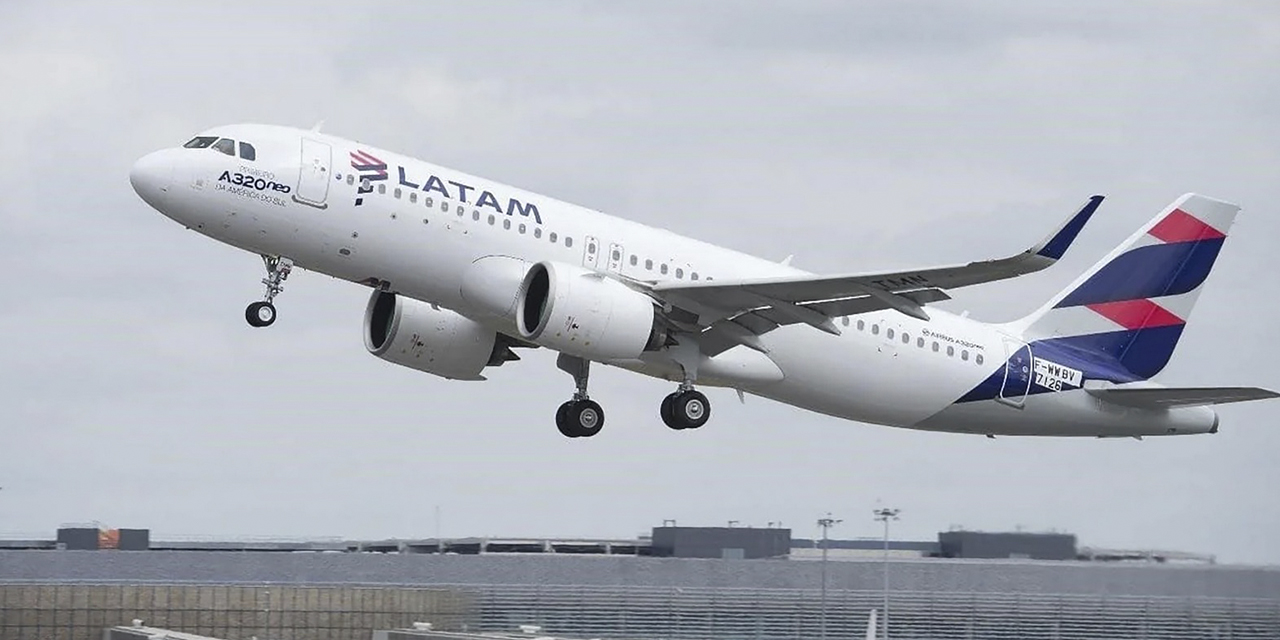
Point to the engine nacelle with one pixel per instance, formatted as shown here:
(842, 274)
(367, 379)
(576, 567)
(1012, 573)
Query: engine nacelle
(438, 341)
(586, 313)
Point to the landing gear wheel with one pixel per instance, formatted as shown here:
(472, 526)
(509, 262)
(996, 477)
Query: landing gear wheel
(580, 418)
(687, 409)
(260, 314)
(668, 417)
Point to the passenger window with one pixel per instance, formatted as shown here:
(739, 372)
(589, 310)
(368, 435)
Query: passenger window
(429, 201)
(225, 146)
(663, 269)
(634, 260)
(693, 276)
(617, 255)
(200, 142)
(920, 342)
(568, 242)
(522, 228)
(475, 215)
(679, 273)
(444, 206)
(426, 221)
(397, 193)
(247, 152)
(964, 355)
(413, 196)
(889, 334)
(845, 321)
(906, 338)
(591, 248)
(648, 265)
(862, 325)
(491, 219)
(351, 179)
(951, 351)
(977, 358)
(537, 232)
(506, 224)
(462, 209)
(382, 189)
(552, 237)
(935, 346)
(875, 329)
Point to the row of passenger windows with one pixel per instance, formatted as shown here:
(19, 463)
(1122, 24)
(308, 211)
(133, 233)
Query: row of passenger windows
(521, 227)
(920, 342)
(226, 146)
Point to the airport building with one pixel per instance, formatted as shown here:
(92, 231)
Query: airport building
(678, 582)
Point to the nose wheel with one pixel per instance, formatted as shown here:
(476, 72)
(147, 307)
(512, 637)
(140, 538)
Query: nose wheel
(687, 409)
(263, 313)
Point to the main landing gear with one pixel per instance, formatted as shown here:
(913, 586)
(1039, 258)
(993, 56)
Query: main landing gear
(685, 409)
(580, 417)
(263, 313)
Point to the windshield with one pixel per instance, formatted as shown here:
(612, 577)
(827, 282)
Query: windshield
(200, 142)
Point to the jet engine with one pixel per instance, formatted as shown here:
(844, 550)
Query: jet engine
(586, 313)
(428, 338)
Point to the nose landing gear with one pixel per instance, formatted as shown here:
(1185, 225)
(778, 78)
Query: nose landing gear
(263, 313)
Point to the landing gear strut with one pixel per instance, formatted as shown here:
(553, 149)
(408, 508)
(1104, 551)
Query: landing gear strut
(580, 417)
(263, 313)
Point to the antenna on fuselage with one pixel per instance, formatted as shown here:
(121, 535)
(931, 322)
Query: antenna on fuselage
(316, 128)
(787, 260)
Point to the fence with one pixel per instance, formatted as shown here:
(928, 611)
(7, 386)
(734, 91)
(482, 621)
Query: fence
(80, 611)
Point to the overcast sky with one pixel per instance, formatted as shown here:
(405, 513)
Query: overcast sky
(856, 136)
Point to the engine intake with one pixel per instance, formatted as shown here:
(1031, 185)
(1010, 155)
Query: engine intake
(427, 338)
(586, 313)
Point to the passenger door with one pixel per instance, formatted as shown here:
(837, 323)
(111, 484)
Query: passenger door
(591, 253)
(1017, 373)
(313, 174)
(616, 254)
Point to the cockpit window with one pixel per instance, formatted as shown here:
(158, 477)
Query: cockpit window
(247, 151)
(226, 145)
(200, 142)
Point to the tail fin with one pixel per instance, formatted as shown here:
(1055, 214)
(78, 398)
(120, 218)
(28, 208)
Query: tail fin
(1132, 306)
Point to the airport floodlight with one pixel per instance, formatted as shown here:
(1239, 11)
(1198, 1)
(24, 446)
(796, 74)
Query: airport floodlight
(826, 523)
(885, 515)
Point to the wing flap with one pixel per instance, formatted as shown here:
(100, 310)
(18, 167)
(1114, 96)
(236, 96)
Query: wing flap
(1159, 397)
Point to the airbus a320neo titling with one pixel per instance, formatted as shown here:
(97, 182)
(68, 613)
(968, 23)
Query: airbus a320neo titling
(465, 271)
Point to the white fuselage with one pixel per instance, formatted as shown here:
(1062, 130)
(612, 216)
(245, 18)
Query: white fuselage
(420, 229)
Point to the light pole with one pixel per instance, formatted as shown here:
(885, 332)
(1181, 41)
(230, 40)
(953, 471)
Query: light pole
(826, 523)
(885, 515)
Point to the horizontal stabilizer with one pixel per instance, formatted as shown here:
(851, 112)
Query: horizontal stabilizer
(1157, 397)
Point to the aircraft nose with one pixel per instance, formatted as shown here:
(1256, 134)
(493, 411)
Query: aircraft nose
(151, 176)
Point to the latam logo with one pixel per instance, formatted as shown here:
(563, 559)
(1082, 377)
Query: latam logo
(372, 169)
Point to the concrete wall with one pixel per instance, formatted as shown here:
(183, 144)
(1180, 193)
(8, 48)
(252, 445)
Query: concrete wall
(80, 611)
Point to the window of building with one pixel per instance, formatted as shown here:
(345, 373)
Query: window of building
(200, 142)
(247, 152)
(226, 146)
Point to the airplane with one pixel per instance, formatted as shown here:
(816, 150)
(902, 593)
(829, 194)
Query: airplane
(465, 271)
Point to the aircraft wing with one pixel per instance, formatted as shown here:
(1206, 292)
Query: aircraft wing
(740, 309)
(1160, 397)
